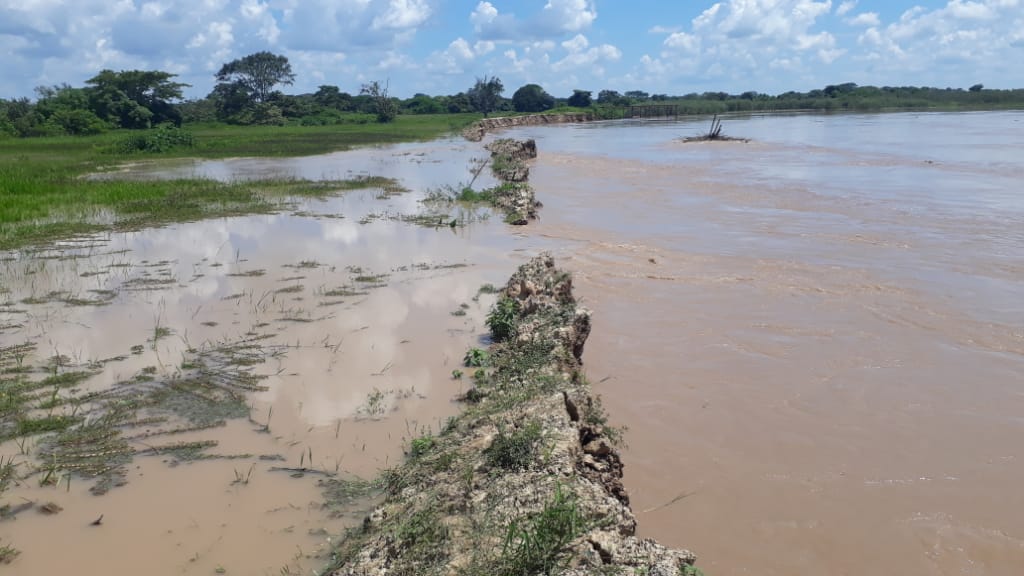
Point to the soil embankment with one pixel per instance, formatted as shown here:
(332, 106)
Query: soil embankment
(528, 478)
(478, 130)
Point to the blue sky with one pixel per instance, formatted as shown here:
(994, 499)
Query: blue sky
(440, 46)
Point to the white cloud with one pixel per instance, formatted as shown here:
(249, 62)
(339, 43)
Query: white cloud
(663, 29)
(846, 7)
(570, 15)
(865, 19)
(453, 59)
(684, 42)
(402, 14)
(556, 18)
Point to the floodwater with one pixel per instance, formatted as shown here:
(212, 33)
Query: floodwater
(816, 339)
(353, 317)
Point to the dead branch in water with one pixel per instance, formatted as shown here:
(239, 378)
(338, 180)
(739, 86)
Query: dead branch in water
(714, 134)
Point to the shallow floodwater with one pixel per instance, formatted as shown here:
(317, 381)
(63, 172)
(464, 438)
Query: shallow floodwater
(352, 317)
(816, 338)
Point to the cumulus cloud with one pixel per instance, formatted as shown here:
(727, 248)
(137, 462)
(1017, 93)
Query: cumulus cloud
(865, 19)
(556, 18)
(54, 39)
(738, 40)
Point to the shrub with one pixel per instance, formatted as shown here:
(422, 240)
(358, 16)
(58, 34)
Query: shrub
(163, 139)
(501, 321)
(475, 358)
(514, 451)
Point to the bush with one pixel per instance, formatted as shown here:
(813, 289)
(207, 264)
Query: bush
(163, 139)
(476, 358)
(502, 318)
(514, 451)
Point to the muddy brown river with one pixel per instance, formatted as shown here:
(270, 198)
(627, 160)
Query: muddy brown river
(816, 340)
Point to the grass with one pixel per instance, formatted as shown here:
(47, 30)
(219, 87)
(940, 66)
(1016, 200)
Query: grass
(515, 451)
(420, 446)
(476, 358)
(534, 544)
(44, 196)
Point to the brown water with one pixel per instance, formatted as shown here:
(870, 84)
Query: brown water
(815, 339)
(359, 318)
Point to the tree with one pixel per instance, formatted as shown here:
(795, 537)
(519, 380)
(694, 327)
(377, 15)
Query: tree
(385, 106)
(331, 97)
(135, 98)
(532, 98)
(258, 73)
(484, 95)
(976, 88)
(611, 97)
(580, 99)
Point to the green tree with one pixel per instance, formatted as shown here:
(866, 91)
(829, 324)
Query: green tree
(63, 109)
(580, 99)
(485, 94)
(258, 74)
(332, 97)
(532, 98)
(612, 98)
(135, 98)
(976, 88)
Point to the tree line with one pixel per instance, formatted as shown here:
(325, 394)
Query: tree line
(247, 92)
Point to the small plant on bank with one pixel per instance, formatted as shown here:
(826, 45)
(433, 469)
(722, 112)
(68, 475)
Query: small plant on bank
(502, 319)
(476, 358)
(515, 451)
(534, 545)
(422, 445)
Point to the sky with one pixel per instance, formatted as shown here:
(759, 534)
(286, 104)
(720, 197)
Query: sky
(441, 46)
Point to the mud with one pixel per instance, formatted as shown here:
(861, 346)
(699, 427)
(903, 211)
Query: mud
(815, 339)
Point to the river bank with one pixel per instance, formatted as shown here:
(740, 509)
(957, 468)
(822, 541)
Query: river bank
(528, 479)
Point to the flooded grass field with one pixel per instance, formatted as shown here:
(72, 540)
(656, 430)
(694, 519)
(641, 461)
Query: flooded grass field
(218, 396)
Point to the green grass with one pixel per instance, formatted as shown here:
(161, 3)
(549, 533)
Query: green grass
(534, 545)
(44, 196)
(515, 451)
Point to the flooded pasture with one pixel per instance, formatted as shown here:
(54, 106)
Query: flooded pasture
(816, 339)
(221, 391)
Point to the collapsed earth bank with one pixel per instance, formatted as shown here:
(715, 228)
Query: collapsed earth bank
(528, 479)
(479, 129)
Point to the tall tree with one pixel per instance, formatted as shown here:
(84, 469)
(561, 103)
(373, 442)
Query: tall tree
(258, 73)
(485, 94)
(135, 98)
(532, 98)
(580, 99)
